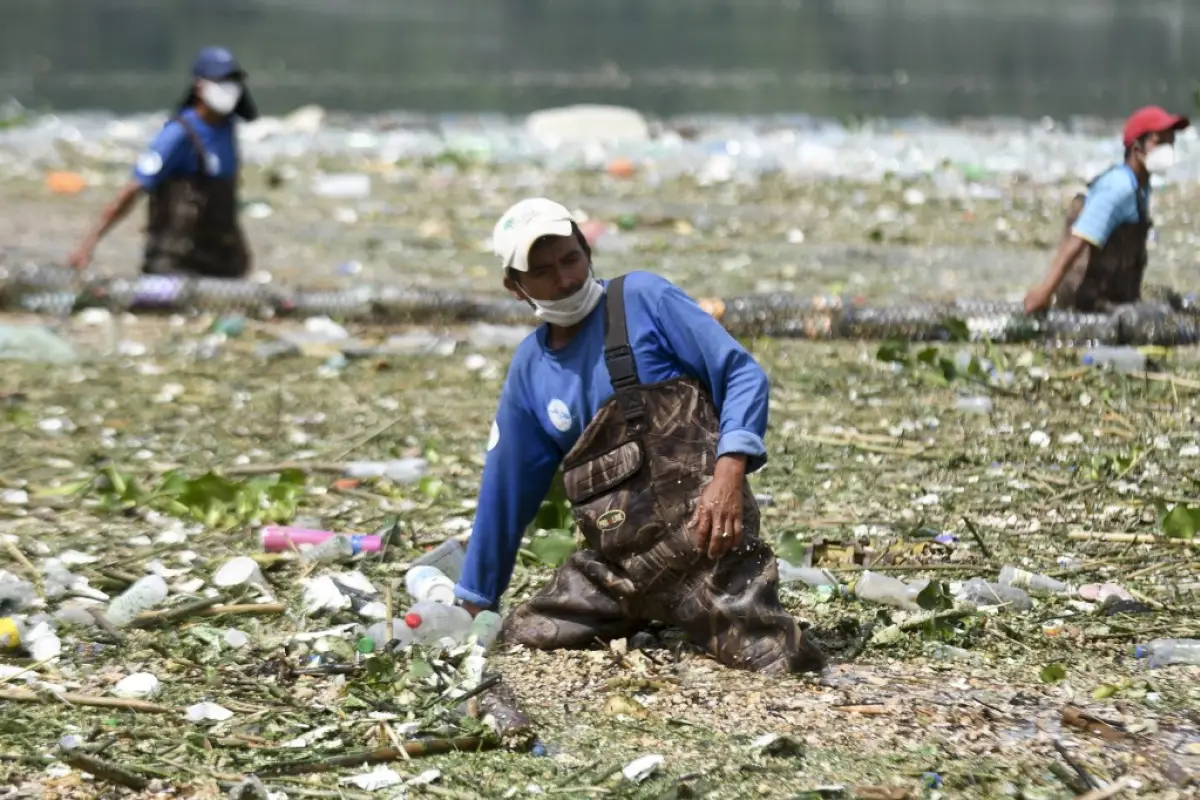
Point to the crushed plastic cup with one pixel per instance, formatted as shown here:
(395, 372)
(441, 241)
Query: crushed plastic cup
(138, 686)
(241, 571)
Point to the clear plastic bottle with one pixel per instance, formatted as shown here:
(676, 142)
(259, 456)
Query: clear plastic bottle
(945, 652)
(401, 470)
(448, 556)
(810, 576)
(428, 583)
(330, 551)
(974, 405)
(143, 595)
(1120, 359)
(979, 591)
(877, 588)
(1032, 581)
(1161, 652)
(485, 628)
(401, 633)
(431, 622)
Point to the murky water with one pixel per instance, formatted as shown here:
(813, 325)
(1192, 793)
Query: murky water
(945, 58)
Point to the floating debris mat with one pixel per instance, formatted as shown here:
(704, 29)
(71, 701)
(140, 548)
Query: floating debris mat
(59, 290)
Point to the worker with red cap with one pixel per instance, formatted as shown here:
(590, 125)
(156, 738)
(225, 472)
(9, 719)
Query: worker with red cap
(1101, 258)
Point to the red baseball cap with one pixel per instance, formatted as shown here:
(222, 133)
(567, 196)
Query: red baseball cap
(1152, 119)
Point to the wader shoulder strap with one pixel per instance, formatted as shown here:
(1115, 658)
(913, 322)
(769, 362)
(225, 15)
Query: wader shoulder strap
(618, 355)
(197, 145)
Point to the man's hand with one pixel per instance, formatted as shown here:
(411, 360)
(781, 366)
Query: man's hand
(717, 523)
(82, 257)
(1038, 299)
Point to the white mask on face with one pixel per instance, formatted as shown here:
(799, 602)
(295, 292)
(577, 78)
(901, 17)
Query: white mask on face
(569, 310)
(1160, 159)
(221, 97)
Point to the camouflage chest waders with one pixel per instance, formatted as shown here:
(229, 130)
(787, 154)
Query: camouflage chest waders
(633, 479)
(1104, 277)
(193, 227)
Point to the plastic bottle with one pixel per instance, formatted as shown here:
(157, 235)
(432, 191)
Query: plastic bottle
(485, 628)
(1120, 359)
(877, 588)
(974, 405)
(401, 633)
(428, 583)
(449, 557)
(401, 470)
(810, 576)
(432, 622)
(280, 538)
(144, 595)
(1035, 583)
(1161, 652)
(330, 551)
(979, 591)
(947, 652)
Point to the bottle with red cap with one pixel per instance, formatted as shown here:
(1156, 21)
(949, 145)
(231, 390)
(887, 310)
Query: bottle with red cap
(431, 622)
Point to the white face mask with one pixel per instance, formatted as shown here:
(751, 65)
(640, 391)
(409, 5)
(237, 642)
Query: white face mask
(221, 97)
(570, 310)
(1161, 158)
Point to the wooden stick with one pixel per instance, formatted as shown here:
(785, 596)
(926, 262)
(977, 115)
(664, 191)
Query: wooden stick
(429, 747)
(1127, 538)
(269, 469)
(22, 696)
(244, 608)
(1112, 789)
(149, 619)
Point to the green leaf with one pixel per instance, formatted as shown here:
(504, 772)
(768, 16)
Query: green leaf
(935, 597)
(61, 491)
(928, 355)
(1105, 691)
(894, 351)
(957, 330)
(949, 369)
(1181, 522)
(553, 547)
(1053, 673)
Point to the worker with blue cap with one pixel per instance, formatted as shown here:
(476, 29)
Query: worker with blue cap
(190, 172)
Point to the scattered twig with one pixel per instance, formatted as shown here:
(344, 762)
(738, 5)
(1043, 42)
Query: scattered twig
(484, 685)
(1129, 538)
(1083, 774)
(102, 622)
(428, 747)
(1111, 790)
(22, 696)
(983, 548)
(149, 619)
(247, 470)
(244, 608)
(104, 770)
(382, 429)
(19, 557)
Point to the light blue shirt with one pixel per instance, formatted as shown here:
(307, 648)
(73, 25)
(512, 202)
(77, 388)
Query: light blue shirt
(1111, 201)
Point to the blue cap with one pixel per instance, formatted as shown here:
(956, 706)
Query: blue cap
(216, 64)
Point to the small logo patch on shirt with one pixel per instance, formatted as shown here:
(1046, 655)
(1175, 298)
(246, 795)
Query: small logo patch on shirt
(559, 414)
(149, 163)
(212, 163)
(494, 436)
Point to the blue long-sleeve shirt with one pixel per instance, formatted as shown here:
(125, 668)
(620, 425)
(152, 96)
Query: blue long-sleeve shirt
(550, 396)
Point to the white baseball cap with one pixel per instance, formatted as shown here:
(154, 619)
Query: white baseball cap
(525, 223)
